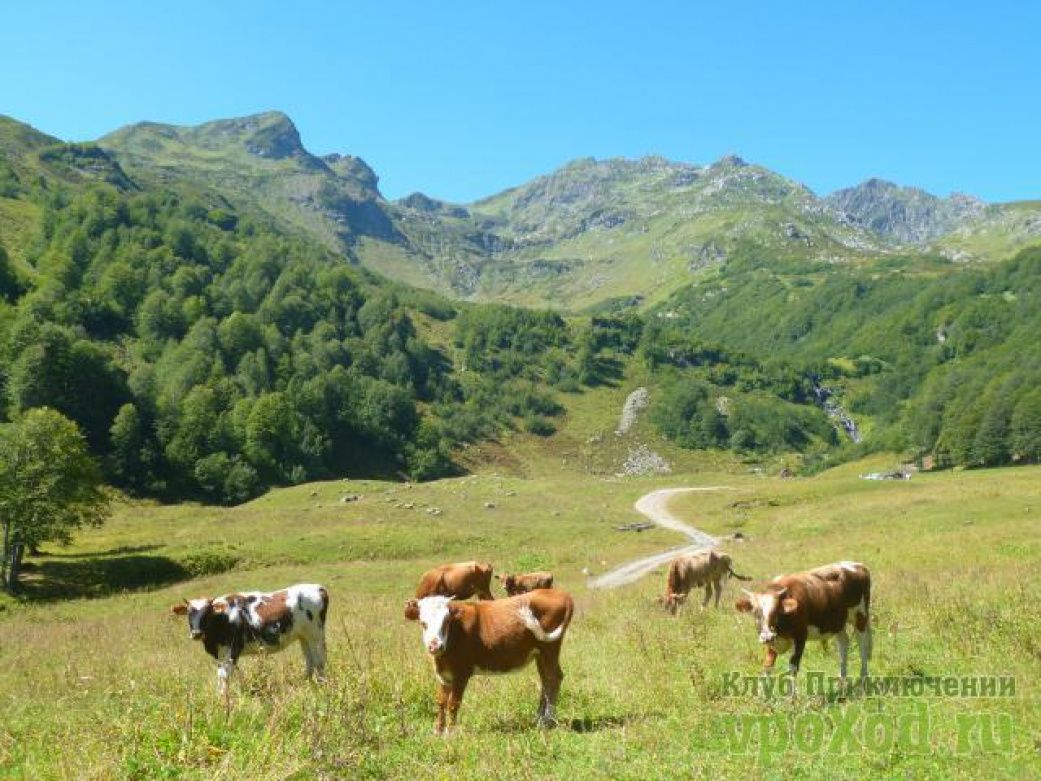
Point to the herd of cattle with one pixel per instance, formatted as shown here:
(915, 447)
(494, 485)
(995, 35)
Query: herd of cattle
(493, 635)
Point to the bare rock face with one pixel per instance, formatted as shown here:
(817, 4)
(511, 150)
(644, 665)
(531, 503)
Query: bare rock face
(907, 215)
(644, 461)
(634, 402)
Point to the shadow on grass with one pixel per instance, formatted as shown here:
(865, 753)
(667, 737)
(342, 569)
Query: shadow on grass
(598, 723)
(95, 554)
(75, 577)
(581, 726)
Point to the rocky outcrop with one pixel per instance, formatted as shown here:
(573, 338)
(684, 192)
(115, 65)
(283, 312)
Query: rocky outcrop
(906, 215)
(634, 403)
(644, 461)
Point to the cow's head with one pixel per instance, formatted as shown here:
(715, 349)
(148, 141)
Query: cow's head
(201, 613)
(672, 601)
(435, 615)
(509, 582)
(767, 607)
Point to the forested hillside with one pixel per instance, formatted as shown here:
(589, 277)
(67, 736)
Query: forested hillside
(208, 348)
(942, 361)
(206, 352)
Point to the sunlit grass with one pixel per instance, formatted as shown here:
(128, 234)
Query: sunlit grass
(112, 688)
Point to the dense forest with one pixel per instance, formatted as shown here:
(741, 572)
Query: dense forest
(204, 353)
(943, 361)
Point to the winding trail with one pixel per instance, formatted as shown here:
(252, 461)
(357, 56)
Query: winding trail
(654, 506)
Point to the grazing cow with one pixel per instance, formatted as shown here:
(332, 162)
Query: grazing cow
(256, 622)
(707, 568)
(522, 584)
(501, 636)
(459, 581)
(813, 605)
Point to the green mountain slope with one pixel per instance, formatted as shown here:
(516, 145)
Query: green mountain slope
(593, 234)
(960, 227)
(620, 229)
(259, 161)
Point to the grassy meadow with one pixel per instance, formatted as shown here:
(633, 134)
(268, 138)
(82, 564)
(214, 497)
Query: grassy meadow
(108, 685)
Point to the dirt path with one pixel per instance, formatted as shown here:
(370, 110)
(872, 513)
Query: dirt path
(655, 507)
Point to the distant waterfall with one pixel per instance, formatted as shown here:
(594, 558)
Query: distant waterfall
(832, 409)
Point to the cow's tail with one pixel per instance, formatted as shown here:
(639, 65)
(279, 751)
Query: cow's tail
(730, 569)
(533, 625)
(323, 611)
(866, 630)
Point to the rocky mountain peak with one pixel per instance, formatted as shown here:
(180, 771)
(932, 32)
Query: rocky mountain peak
(355, 168)
(906, 215)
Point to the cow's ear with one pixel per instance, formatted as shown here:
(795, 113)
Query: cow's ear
(181, 608)
(412, 610)
(789, 606)
(743, 605)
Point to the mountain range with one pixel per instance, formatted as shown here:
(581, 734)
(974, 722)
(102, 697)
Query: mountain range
(592, 234)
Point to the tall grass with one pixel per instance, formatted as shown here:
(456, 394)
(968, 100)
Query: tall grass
(111, 687)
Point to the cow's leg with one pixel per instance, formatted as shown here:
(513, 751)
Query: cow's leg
(718, 587)
(864, 646)
(224, 670)
(769, 661)
(308, 649)
(842, 643)
(443, 692)
(455, 698)
(708, 594)
(318, 649)
(551, 676)
(485, 594)
(798, 646)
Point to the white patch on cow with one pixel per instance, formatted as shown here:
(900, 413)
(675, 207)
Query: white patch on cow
(767, 606)
(849, 566)
(433, 617)
(533, 626)
(300, 600)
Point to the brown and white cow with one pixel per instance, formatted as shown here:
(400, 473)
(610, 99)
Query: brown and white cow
(706, 568)
(254, 622)
(460, 581)
(522, 584)
(812, 605)
(474, 638)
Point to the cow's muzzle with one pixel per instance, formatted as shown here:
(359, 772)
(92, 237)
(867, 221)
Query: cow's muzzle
(767, 637)
(435, 648)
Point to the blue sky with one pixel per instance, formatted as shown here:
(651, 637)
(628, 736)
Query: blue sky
(460, 100)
